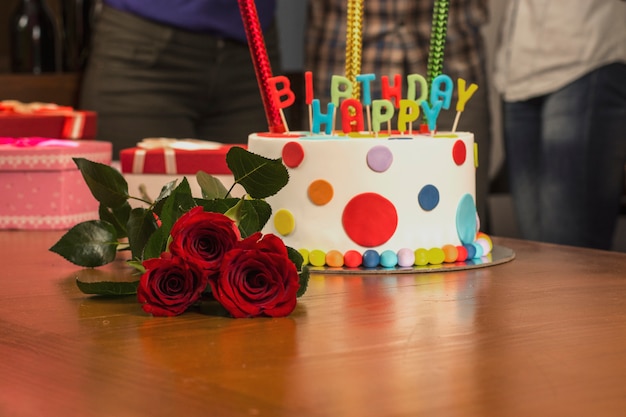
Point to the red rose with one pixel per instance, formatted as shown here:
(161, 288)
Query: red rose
(203, 238)
(170, 285)
(257, 278)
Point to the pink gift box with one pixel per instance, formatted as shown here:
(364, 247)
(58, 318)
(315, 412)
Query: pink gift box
(40, 185)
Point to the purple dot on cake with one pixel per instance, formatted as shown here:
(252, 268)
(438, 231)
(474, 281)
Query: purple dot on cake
(379, 158)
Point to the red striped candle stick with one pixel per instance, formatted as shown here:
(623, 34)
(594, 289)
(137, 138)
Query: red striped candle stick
(261, 62)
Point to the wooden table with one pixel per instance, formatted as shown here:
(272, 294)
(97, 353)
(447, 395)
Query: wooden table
(544, 335)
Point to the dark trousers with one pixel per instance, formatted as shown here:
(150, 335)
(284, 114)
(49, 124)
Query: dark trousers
(566, 152)
(149, 80)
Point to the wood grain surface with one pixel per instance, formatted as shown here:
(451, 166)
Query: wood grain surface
(543, 335)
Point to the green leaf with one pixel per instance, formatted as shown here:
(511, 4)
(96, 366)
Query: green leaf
(303, 274)
(166, 190)
(89, 244)
(218, 205)
(211, 187)
(179, 202)
(252, 216)
(106, 184)
(141, 225)
(247, 218)
(108, 287)
(261, 177)
(117, 216)
(304, 281)
(263, 211)
(119, 282)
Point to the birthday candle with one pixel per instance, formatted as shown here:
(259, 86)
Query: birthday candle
(354, 43)
(365, 80)
(464, 96)
(437, 40)
(308, 97)
(277, 93)
(260, 59)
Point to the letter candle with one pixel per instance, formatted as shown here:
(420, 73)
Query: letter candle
(464, 96)
(285, 91)
(365, 80)
(262, 67)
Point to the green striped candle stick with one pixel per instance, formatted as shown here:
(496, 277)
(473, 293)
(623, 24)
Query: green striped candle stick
(437, 39)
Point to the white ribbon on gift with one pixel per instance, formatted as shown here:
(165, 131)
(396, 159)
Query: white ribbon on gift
(74, 125)
(169, 147)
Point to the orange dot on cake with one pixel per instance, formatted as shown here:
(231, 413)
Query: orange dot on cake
(320, 192)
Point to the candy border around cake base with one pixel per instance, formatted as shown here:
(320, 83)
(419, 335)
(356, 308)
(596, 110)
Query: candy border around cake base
(499, 255)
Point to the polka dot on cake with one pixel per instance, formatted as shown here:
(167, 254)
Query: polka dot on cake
(369, 219)
(293, 154)
(459, 152)
(379, 158)
(284, 222)
(428, 197)
(320, 192)
(466, 220)
(476, 155)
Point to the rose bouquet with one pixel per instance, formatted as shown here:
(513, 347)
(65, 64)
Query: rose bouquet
(188, 250)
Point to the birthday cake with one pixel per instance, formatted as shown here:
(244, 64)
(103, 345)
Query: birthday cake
(394, 200)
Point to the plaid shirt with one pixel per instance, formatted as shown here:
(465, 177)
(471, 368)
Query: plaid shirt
(396, 38)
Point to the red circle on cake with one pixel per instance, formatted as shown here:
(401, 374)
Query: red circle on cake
(293, 154)
(369, 219)
(459, 152)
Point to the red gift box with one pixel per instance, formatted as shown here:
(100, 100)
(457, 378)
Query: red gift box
(157, 161)
(41, 186)
(170, 156)
(45, 120)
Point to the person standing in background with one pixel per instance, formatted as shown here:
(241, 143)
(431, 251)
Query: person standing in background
(561, 70)
(175, 68)
(396, 40)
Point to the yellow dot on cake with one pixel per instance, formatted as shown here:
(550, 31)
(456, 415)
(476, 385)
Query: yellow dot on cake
(284, 222)
(320, 192)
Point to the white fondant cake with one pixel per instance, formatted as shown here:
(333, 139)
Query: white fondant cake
(402, 196)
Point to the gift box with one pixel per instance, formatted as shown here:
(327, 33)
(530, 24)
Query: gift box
(158, 161)
(40, 185)
(45, 120)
